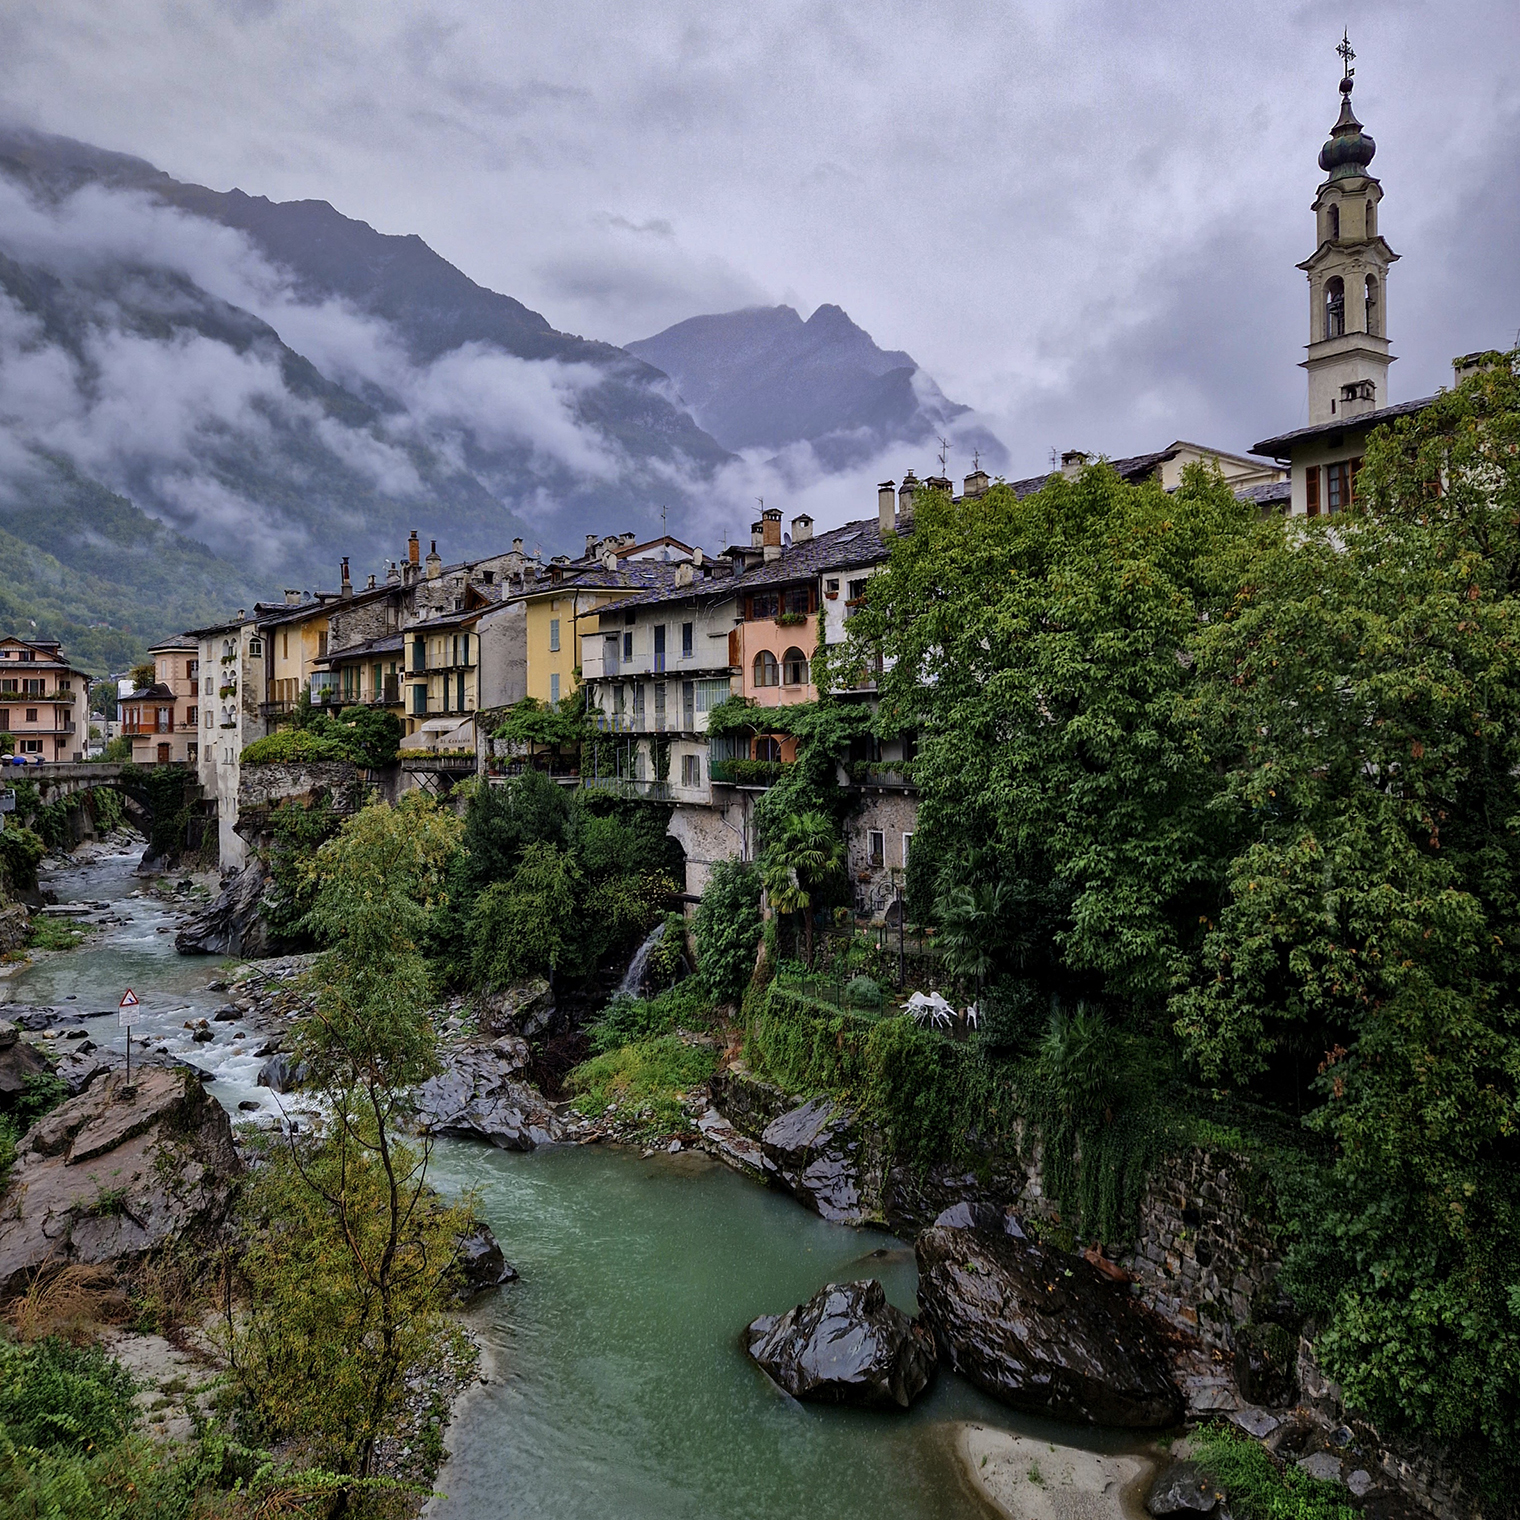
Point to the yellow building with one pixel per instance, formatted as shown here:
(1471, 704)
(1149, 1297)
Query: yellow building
(295, 638)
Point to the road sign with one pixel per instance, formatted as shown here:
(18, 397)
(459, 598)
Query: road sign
(127, 1011)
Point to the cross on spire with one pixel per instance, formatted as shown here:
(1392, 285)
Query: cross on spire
(1347, 53)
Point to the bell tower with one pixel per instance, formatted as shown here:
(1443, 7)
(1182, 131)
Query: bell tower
(1348, 354)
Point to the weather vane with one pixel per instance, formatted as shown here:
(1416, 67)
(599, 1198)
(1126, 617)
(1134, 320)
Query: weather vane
(1347, 55)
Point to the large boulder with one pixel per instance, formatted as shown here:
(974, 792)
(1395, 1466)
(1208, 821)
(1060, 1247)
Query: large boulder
(481, 1263)
(114, 1173)
(232, 925)
(479, 1096)
(15, 922)
(526, 1010)
(18, 1061)
(845, 1345)
(826, 1158)
(1041, 1329)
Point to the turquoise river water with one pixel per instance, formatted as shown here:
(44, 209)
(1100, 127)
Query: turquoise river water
(615, 1385)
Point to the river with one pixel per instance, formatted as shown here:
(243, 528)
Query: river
(616, 1388)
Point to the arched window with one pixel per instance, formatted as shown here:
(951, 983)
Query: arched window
(1373, 318)
(1335, 307)
(767, 671)
(1335, 224)
(794, 668)
(1371, 219)
(767, 748)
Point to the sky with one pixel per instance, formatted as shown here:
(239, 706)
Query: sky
(1081, 219)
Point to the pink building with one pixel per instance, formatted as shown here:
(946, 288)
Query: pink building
(44, 701)
(162, 720)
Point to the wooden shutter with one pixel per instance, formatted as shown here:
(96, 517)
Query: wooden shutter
(733, 646)
(1353, 469)
(1311, 489)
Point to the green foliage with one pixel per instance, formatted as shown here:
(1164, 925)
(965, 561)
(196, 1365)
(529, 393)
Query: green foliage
(553, 725)
(1258, 1486)
(804, 857)
(862, 992)
(750, 772)
(736, 715)
(117, 749)
(21, 852)
(630, 1020)
(726, 928)
(367, 736)
(57, 1397)
(647, 1079)
(526, 926)
(49, 933)
(297, 832)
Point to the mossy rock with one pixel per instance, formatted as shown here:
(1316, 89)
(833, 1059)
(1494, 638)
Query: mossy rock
(1266, 1357)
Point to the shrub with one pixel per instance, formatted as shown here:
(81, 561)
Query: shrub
(291, 746)
(1258, 1487)
(57, 1397)
(646, 1078)
(862, 992)
(628, 1020)
(526, 926)
(727, 927)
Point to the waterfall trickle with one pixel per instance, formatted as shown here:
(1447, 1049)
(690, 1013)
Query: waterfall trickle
(632, 984)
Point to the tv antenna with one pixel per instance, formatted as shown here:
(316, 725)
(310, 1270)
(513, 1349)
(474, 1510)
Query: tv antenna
(944, 455)
(976, 460)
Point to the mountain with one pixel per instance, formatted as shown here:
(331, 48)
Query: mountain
(764, 378)
(264, 387)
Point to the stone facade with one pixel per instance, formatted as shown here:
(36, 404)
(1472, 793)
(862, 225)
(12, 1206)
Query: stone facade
(892, 813)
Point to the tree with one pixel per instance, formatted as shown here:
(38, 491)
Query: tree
(727, 929)
(804, 856)
(1366, 680)
(143, 676)
(526, 926)
(352, 1254)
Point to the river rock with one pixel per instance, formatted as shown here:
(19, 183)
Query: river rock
(280, 1074)
(525, 1010)
(827, 1159)
(114, 1173)
(18, 1061)
(232, 925)
(845, 1345)
(14, 923)
(481, 1263)
(1181, 1489)
(478, 1096)
(1042, 1330)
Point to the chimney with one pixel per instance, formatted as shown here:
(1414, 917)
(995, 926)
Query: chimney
(609, 558)
(770, 527)
(392, 573)
(590, 544)
(517, 544)
(976, 483)
(886, 507)
(684, 576)
(1072, 462)
(756, 535)
(905, 494)
(434, 563)
(802, 528)
(370, 586)
(346, 584)
(292, 597)
(413, 549)
(696, 556)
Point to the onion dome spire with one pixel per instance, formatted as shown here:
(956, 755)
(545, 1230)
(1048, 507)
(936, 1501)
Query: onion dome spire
(1350, 149)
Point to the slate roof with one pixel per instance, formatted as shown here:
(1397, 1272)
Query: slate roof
(1276, 493)
(1136, 467)
(389, 643)
(1274, 447)
(177, 641)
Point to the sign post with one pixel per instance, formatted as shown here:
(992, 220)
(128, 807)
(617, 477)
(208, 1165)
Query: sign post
(127, 1014)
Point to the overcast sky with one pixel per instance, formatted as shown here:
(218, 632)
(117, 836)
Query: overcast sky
(1081, 219)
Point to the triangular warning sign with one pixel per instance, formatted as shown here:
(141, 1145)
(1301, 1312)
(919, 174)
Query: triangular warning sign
(129, 1001)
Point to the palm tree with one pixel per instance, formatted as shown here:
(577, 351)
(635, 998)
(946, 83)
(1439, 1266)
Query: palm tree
(969, 918)
(805, 854)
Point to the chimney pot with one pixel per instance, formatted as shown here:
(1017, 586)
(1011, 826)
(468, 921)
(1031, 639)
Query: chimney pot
(292, 596)
(517, 546)
(802, 528)
(756, 535)
(590, 544)
(886, 507)
(696, 555)
(770, 527)
(1072, 461)
(370, 586)
(684, 575)
(414, 549)
(905, 494)
(976, 483)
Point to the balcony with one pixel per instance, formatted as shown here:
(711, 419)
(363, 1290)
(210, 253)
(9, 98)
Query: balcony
(627, 786)
(741, 772)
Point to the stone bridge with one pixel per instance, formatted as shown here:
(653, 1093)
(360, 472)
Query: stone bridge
(146, 790)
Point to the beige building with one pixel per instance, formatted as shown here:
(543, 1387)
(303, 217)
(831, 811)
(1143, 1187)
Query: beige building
(231, 698)
(163, 720)
(44, 700)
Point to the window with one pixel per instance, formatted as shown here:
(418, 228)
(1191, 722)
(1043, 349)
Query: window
(794, 668)
(799, 599)
(191, 715)
(627, 646)
(34, 688)
(659, 646)
(9, 684)
(192, 752)
(1335, 223)
(764, 604)
(553, 688)
(31, 715)
(876, 848)
(767, 671)
(459, 692)
(322, 646)
(638, 700)
(256, 648)
(419, 700)
(688, 704)
(687, 632)
(208, 717)
(710, 693)
(1340, 484)
(1372, 304)
(907, 844)
(192, 669)
(1335, 307)
(34, 747)
(1311, 490)
(630, 618)
(554, 635)
(285, 645)
(659, 707)
(208, 686)
(691, 770)
(832, 586)
(5, 720)
(419, 654)
(767, 747)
